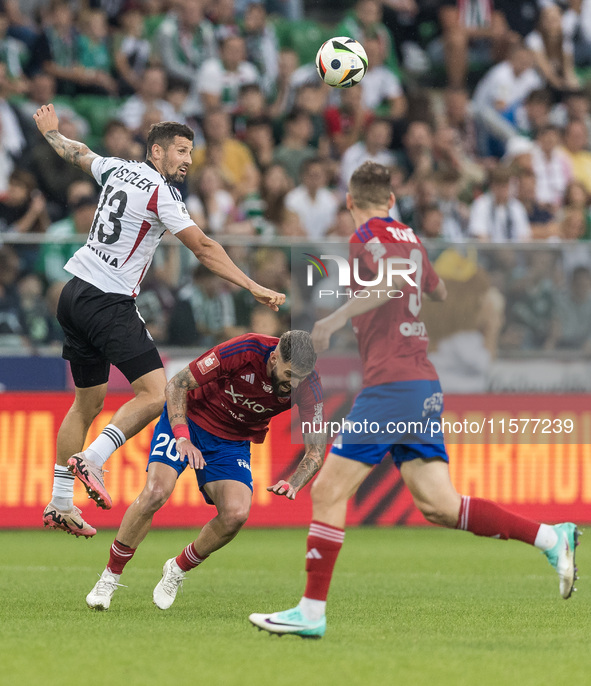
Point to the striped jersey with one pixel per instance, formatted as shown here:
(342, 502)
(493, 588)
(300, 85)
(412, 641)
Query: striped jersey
(235, 398)
(136, 206)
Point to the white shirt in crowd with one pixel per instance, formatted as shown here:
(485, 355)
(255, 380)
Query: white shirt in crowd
(356, 155)
(214, 79)
(133, 109)
(552, 175)
(316, 214)
(217, 220)
(379, 85)
(498, 223)
(501, 85)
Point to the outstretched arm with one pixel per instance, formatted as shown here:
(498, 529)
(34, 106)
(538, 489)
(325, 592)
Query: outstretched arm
(309, 464)
(176, 402)
(74, 152)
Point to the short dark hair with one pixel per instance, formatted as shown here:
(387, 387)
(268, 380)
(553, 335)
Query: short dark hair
(370, 185)
(164, 134)
(296, 347)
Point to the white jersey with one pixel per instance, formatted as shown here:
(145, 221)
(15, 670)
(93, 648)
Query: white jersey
(136, 206)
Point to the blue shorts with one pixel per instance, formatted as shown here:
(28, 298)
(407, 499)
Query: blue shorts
(225, 459)
(405, 413)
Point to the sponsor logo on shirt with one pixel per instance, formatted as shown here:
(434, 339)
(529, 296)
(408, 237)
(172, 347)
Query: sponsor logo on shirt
(267, 387)
(182, 210)
(208, 363)
(241, 399)
(413, 329)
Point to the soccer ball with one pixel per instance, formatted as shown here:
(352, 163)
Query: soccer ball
(341, 62)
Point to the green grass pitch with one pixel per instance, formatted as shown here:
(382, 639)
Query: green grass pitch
(407, 606)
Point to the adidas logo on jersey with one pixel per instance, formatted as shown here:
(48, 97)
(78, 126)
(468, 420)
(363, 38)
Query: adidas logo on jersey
(248, 377)
(313, 555)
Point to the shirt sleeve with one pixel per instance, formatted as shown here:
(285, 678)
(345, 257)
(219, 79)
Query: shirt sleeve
(101, 166)
(310, 400)
(172, 211)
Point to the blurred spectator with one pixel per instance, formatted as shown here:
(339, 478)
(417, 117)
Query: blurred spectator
(552, 167)
(208, 203)
(39, 323)
(345, 122)
(232, 157)
(431, 226)
(573, 224)
(265, 321)
(12, 327)
(374, 148)
(498, 95)
(251, 105)
(294, 148)
(275, 186)
(282, 96)
(553, 50)
(12, 55)
(416, 155)
(534, 114)
(259, 139)
(571, 325)
(93, 51)
(382, 90)
(343, 225)
(222, 15)
(262, 48)
(185, 39)
(131, 50)
(365, 21)
(42, 90)
(312, 99)
(118, 142)
(541, 219)
(218, 81)
(495, 216)
(13, 139)
(204, 311)
(455, 214)
(54, 255)
(6, 162)
(472, 32)
(54, 174)
(576, 195)
(312, 201)
(425, 195)
(23, 208)
(576, 144)
(448, 155)
(458, 114)
(574, 106)
(150, 94)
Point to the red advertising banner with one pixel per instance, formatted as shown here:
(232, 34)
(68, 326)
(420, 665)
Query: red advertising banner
(543, 476)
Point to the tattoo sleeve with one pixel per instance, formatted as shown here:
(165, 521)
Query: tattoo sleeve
(176, 396)
(78, 154)
(311, 462)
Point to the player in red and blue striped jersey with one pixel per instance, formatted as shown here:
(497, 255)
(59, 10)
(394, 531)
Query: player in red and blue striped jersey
(215, 407)
(400, 387)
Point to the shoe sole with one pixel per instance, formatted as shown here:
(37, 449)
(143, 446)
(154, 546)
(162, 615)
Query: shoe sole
(98, 608)
(94, 489)
(576, 535)
(50, 523)
(284, 633)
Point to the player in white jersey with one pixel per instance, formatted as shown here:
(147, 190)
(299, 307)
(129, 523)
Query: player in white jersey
(97, 311)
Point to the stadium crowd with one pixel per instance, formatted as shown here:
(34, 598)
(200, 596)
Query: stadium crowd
(481, 109)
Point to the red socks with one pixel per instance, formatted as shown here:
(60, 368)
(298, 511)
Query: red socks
(190, 558)
(119, 556)
(485, 518)
(323, 547)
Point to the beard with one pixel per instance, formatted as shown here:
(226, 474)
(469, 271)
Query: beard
(279, 392)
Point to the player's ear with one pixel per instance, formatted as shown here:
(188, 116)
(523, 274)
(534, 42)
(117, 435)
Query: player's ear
(391, 200)
(349, 201)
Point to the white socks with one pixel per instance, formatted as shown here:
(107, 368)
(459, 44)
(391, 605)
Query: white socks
(313, 610)
(546, 537)
(101, 449)
(62, 495)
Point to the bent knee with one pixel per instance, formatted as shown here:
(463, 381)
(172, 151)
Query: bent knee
(233, 520)
(154, 497)
(438, 515)
(323, 495)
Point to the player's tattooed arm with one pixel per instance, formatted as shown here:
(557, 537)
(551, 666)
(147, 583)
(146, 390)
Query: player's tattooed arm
(176, 395)
(74, 152)
(78, 154)
(311, 462)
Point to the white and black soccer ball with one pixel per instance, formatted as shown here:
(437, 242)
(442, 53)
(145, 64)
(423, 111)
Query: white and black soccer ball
(341, 62)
